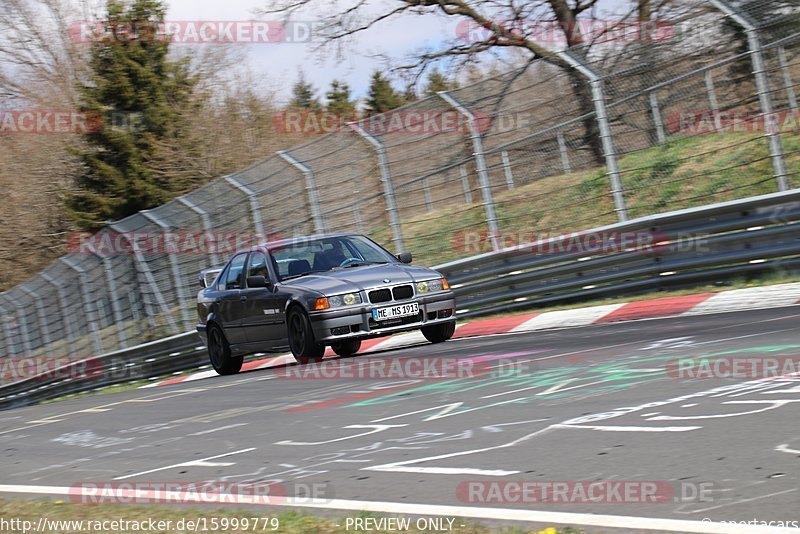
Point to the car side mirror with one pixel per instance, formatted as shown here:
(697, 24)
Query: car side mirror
(257, 281)
(404, 257)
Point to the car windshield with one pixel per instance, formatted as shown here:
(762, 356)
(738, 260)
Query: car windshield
(326, 254)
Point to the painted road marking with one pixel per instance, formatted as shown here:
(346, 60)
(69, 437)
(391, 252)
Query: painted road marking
(185, 464)
(785, 448)
(217, 429)
(418, 509)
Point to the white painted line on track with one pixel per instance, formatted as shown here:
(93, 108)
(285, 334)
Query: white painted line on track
(212, 430)
(416, 509)
(185, 464)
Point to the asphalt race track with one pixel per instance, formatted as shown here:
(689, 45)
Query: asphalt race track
(597, 403)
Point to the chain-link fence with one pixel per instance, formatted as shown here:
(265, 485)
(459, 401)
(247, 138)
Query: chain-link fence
(703, 112)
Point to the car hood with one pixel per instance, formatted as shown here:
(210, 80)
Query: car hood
(358, 278)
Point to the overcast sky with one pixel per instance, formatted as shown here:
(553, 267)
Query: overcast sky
(279, 63)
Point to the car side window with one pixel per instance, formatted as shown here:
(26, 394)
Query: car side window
(233, 278)
(257, 266)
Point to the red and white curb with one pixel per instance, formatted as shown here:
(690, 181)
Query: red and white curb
(703, 303)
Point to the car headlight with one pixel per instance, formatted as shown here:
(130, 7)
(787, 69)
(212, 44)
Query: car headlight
(429, 286)
(348, 299)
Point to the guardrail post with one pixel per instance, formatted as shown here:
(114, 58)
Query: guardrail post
(386, 182)
(480, 167)
(183, 299)
(762, 85)
(658, 121)
(462, 171)
(63, 304)
(255, 207)
(791, 96)
(141, 264)
(207, 227)
(91, 316)
(311, 189)
(10, 345)
(41, 316)
(610, 153)
(507, 170)
(562, 148)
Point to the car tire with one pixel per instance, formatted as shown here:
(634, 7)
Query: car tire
(439, 333)
(347, 347)
(219, 353)
(304, 347)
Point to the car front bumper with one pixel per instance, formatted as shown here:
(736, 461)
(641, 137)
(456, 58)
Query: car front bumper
(357, 321)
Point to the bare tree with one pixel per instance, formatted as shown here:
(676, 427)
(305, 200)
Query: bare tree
(489, 26)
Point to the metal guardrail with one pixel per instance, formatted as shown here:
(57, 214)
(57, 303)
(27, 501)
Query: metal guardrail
(704, 244)
(697, 245)
(156, 358)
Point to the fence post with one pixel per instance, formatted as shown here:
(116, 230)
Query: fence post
(507, 170)
(610, 154)
(480, 167)
(255, 208)
(177, 279)
(791, 96)
(10, 348)
(762, 84)
(41, 316)
(562, 148)
(141, 263)
(111, 283)
(207, 226)
(386, 181)
(712, 100)
(91, 316)
(311, 189)
(658, 121)
(462, 170)
(426, 191)
(63, 304)
(23, 326)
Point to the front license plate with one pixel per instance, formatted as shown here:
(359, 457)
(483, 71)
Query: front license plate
(393, 312)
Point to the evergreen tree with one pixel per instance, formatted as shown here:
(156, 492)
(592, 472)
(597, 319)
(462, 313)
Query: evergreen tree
(339, 100)
(438, 82)
(303, 95)
(139, 94)
(381, 96)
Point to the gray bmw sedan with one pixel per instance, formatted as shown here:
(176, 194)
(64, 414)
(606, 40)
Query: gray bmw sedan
(311, 292)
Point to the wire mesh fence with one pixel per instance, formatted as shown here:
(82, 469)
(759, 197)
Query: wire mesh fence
(702, 113)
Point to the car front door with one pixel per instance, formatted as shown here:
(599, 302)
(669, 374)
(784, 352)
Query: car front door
(262, 312)
(230, 306)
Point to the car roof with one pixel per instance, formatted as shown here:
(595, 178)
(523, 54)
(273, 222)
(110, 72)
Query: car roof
(294, 240)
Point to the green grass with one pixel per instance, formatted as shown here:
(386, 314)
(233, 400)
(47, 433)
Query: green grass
(685, 172)
(289, 522)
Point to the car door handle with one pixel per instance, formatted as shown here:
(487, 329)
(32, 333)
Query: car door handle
(243, 298)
